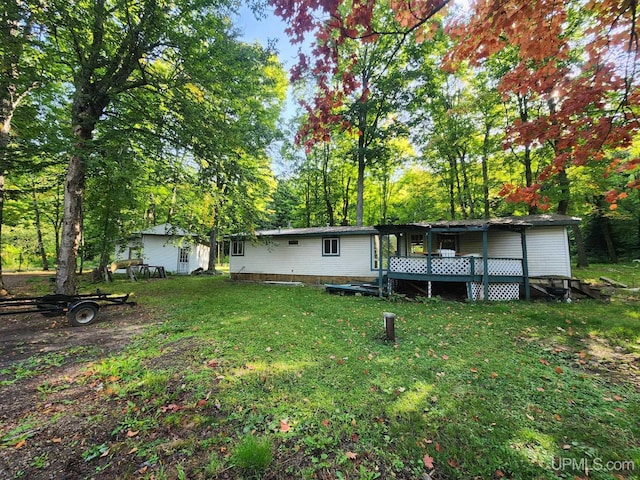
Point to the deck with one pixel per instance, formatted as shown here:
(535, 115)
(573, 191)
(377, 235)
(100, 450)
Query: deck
(497, 278)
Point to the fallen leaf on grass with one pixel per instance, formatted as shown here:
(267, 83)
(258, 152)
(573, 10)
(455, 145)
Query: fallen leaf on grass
(133, 450)
(56, 440)
(559, 370)
(21, 444)
(445, 357)
(544, 362)
(132, 433)
(351, 455)
(284, 426)
(172, 407)
(474, 370)
(428, 461)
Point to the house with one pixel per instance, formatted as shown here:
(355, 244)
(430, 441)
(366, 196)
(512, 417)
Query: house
(497, 259)
(310, 255)
(494, 259)
(173, 248)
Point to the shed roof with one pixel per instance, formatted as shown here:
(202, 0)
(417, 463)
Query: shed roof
(167, 229)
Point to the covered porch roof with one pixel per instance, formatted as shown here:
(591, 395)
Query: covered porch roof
(478, 225)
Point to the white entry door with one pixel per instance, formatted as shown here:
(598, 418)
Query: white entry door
(183, 259)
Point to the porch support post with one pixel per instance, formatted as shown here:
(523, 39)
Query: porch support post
(429, 245)
(525, 264)
(485, 260)
(380, 258)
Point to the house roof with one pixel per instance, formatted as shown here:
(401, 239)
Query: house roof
(166, 229)
(547, 219)
(316, 231)
(525, 221)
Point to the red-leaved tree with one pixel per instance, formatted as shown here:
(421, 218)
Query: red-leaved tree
(582, 59)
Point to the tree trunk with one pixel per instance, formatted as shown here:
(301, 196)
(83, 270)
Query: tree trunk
(6, 113)
(345, 204)
(213, 250)
(582, 253)
(485, 170)
(36, 213)
(2, 286)
(326, 186)
(360, 182)
(563, 203)
(608, 239)
(466, 189)
(66, 282)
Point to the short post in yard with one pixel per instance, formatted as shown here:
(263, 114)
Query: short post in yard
(389, 325)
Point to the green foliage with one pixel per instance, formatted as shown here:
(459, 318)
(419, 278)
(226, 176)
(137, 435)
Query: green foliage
(253, 454)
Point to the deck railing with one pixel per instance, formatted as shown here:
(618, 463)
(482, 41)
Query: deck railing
(456, 266)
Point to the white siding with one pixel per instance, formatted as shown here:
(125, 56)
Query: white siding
(548, 252)
(162, 251)
(305, 258)
(502, 244)
(547, 249)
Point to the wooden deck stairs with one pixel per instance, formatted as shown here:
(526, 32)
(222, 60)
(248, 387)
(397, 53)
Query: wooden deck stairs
(561, 289)
(581, 289)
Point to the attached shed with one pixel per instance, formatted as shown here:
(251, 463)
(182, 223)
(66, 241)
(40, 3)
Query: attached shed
(310, 255)
(173, 248)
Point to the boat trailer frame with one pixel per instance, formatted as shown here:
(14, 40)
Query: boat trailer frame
(80, 310)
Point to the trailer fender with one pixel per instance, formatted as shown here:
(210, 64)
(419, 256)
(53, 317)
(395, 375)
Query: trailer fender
(82, 312)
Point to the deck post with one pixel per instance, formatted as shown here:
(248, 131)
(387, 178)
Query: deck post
(429, 245)
(525, 264)
(380, 257)
(485, 260)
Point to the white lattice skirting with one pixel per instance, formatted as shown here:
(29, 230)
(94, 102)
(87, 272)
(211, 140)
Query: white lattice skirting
(456, 266)
(497, 291)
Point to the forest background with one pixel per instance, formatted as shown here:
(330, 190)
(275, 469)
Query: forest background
(116, 117)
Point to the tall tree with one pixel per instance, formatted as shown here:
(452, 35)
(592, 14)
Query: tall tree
(599, 99)
(109, 47)
(18, 62)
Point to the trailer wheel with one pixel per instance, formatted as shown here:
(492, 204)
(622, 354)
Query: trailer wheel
(83, 313)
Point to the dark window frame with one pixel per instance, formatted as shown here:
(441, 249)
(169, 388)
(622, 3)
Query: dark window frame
(333, 244)
(237, 248)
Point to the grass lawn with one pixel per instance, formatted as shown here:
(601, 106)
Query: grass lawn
(275, 382)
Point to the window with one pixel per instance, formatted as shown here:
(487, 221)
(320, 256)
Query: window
(417, 243)
(331, 246)
(237, 248)
(388, 244)
(183, 254)
(293, 242)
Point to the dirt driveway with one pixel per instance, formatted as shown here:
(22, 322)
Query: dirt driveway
(42, 364)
